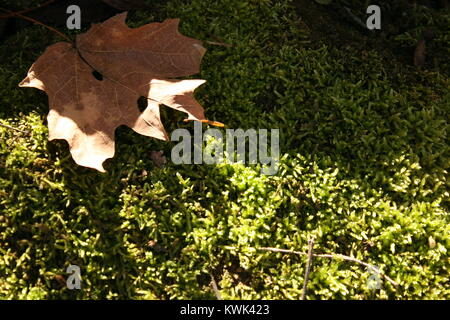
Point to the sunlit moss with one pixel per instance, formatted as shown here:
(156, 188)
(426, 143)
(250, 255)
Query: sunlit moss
(364, 170)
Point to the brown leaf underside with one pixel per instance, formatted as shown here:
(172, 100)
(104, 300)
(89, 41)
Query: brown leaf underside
(134, 63)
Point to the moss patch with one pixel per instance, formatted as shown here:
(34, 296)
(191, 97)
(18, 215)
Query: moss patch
(364, 170)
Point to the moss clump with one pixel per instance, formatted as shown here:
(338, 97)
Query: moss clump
(364, 170)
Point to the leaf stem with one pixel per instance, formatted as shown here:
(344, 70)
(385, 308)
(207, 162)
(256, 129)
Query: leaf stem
(40, 23)
(12, 14)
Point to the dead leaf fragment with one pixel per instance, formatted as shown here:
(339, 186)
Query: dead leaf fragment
(85, 111)
(420, 51)
(431, 242)
(419, 54)
(61, 280)
(158, 158)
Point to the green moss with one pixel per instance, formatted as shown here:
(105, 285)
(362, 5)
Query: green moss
(364, 170)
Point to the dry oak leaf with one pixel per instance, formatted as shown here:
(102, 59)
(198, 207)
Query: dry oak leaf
(133, 62)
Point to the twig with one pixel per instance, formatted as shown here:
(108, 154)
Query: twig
(215, 288)
(344, 257)
(40, 23)
(12, 128)
(331, 256)
(308, 267)
(219, 44)
(12, 14)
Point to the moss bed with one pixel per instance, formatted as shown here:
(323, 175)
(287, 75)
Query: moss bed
(363, 169)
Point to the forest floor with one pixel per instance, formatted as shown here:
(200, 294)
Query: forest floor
(363, 167)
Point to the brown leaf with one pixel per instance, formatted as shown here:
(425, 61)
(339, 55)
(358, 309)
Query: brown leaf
(61, 280)
(419, 54)
(137, 62)
(158, 158)
(420, 51)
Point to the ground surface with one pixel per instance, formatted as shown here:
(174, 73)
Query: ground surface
(364, 165)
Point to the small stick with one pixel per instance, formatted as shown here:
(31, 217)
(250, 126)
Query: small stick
(12, 128)
(219, 44)
(344, 257)
(12, 14)
(308, 267)
(215, 288)
(40, 23)
(331, 256)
